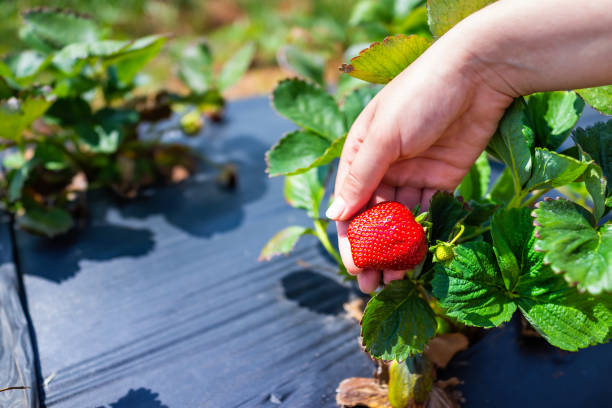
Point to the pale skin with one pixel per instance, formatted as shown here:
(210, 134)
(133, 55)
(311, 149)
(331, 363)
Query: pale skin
(424, 130)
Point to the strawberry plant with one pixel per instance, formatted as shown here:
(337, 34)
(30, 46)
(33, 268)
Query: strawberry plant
(493, 252)
(205, 86)
(69, 117)
(304, 155)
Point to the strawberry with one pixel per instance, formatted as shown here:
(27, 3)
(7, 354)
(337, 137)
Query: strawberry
(386, 236)
(444, 252)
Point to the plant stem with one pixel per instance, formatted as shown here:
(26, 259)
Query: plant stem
(321, 233)
(534, 197)
(475, 234)
(423, 292)
(458, 235)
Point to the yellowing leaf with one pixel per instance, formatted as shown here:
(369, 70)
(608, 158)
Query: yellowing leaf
(384, 60)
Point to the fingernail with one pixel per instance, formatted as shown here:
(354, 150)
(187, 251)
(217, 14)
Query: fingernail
(336, 209)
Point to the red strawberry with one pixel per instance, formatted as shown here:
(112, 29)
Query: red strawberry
(386, 236)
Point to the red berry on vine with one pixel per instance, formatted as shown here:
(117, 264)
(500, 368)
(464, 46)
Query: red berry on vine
(386, 236)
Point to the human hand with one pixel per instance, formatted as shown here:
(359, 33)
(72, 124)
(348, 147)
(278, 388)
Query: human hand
(420, 134)
(425, 129)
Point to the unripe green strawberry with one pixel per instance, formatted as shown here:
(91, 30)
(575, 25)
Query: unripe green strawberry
(386, 236)
(444, 252)
(192, 122)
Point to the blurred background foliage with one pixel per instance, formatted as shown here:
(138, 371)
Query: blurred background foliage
(327, 31)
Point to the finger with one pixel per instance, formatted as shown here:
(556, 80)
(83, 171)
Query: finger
(389, 276)
(357, 134)
(409, 196)
(383, 192)
(428, 193)
(368, 280)
(345, 248)
(424, 172)
(363, 176)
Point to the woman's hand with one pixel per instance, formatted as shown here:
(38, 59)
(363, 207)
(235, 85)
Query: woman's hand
(420, 134)
(425, 129)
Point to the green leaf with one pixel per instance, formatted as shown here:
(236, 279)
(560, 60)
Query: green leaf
(283, 242)
(25, 65)
(470, 287)
(513, 141)
(415, 22)
(476, 183)
(346, 84)
(73, 87)
(570, 322)
(597, 142)
(369, 11)
(69, 111)
(299, 151)
(599, 98)
(306, 190)
(572, 244)
(236, 66)
(17, 179)
(445, 212)
(14, 160)
(356, 101)
(565, 317)
(16, 115)
(195, 67)
(550, 170)
(51, 157)
(5, 71)
(554, 115)
(105, 131)
(98, 139)
(310, 107)
(305, 64)
(70, 59)
(480, 211)
(384, 60)
(511, 230)
(397, 323)
(503, 189)
(444, 14)
(49, 221)
(596, 185)
(135, 56)
(58, 28)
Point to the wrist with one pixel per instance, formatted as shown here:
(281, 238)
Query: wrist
(514, 51)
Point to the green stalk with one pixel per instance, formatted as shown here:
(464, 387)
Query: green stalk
(321, 233)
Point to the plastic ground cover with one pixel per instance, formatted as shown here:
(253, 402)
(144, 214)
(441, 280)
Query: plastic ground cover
(160, 302)
(17, 365)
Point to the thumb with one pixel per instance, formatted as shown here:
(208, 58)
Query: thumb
(361, 178)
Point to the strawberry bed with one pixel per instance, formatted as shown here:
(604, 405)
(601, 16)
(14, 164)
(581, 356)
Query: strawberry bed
(117, 320)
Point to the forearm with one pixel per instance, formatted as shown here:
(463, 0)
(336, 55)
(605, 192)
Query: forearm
(539, 45)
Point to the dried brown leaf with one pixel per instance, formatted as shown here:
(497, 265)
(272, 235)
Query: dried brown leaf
(354, 308)
(359, 391)
(451, 382)
(439, 398)
(78, 182)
